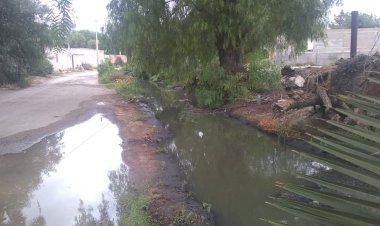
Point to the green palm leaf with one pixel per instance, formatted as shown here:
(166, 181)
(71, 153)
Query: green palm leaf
(350, 191)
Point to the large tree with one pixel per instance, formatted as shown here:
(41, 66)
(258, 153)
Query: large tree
(343, 21)
(27, 27)
(162, 34)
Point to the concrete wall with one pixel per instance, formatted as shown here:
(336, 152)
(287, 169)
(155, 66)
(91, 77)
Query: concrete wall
(72, 58)
(336, 46)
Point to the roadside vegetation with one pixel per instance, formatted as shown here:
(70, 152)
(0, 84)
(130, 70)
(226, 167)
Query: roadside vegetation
(133, 209)
(218, 50)
(28, 27)
(120, 79)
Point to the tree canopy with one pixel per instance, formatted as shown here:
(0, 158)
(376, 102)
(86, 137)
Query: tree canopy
(343, 21)
(86, 39)
(178, 34)
(27, 27)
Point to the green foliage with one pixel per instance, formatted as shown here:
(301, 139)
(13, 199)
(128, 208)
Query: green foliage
(209, 98)
(178, 35)
(42, 68)
(129, 89)
(27, 29)
(354, 151)
(133, 209)
(263, 75)
(343, 21)
(105, 70)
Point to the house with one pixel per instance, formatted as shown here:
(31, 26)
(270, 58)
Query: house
(335, 46)
(72, 58)
(114, 58)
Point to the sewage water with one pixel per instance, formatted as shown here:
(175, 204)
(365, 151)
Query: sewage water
(229, 165)
(69, 178)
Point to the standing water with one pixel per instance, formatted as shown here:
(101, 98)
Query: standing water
(229, 165)
(66, 179)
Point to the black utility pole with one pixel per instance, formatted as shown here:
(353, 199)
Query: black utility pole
(354, 33)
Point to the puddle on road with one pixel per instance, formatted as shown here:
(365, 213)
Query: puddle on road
(70, 178)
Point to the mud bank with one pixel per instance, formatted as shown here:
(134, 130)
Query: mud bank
(153, 172)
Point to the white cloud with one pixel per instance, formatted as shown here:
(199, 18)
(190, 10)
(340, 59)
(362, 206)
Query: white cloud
(88, 11)
(363, 6)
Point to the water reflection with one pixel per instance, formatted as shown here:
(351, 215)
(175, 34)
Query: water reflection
(43, 185)
(85, 215)
(229, 165)
(233, 167)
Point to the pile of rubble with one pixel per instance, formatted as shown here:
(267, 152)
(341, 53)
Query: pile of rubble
(312, 89)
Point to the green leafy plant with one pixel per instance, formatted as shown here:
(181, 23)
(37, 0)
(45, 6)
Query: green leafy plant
(263, 75)
(42, 68)
(354, 150)
(105, 70)
(133, 209)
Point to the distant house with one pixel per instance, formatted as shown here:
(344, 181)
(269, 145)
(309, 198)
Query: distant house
(73, 58)
(114, 58)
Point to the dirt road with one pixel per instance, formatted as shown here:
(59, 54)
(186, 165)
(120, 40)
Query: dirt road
(30, 114)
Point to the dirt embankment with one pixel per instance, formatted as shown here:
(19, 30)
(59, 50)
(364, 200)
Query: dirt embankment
(153, 172)
(310, 93)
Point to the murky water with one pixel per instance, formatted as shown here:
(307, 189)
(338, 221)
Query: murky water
(229, 165)
(68, 178)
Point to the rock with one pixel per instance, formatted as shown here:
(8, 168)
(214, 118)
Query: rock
(296, 97)
(299, 81)
(287, 70)
(281, 106)
(293, 82)
(299, 92)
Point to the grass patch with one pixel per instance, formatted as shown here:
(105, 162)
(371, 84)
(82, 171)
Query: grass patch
(133, 207)
(105, 70)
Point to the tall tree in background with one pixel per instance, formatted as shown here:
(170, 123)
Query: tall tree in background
(86, 39)
(162, 34)
(27, 27)
(343, 21)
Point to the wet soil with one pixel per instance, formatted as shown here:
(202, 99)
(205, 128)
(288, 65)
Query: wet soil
(151, 171)
(155, 172)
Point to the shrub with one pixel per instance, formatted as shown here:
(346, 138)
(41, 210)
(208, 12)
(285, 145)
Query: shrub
(42, 68)
(132, 207)
(214, 87)
(105, 69)
(263, 75)
(209, 98)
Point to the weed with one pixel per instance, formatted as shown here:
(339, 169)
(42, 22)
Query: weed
(105, 70)
(23, 82)
(133, 209)
(263, 76)
(130, 89)
(186, 218)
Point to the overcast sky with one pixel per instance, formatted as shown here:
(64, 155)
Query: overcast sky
(89, 11)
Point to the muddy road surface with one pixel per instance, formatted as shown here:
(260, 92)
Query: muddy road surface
(70, 148)
(28, 115)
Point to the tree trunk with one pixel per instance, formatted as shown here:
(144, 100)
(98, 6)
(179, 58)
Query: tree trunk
(325, 98)
(230, 57)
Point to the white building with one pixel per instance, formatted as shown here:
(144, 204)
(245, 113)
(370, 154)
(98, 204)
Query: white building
(72, 58)
(336, 46)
